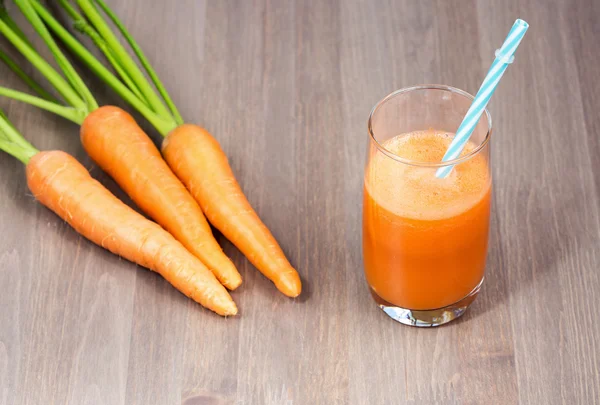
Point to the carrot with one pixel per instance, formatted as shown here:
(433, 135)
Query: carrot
(62, 184)
(191, 152)
(201, 164)
(123, 150)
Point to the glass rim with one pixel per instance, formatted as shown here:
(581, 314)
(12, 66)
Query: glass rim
(416, 162)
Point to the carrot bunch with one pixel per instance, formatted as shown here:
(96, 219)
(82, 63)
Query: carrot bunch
(191, 151)
(62, 184)
(190, 182)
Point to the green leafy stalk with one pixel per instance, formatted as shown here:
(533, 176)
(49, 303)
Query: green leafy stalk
(81, 24)
(70, 113)
(13, 143)
(4, 16)
(59, 83)
(3, 116)
(163, 124)
(112, 59)
(143, 60)
(66, 66)
(89, 9)
(26, 78)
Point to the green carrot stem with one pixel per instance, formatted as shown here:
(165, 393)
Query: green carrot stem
(143, 60)
(70, 113)
(112, 59)
(4, 16)
(13, 143)
(35, 86)
(59, 83)
(15, 150)
(163, 125)
(89, 9)
(81, 24)
(110, 56)
(88, 30)
(64, 64)
(3, 116)
(71, 11)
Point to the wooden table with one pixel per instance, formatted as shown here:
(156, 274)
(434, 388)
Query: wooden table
(286, 88)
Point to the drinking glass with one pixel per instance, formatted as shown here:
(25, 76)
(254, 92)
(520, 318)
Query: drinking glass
(425, 238)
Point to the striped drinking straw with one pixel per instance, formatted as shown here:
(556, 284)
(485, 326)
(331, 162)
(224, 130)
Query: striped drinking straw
(504, 57)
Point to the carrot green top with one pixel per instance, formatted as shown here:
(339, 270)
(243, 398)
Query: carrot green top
(78, 99)
(12, 142)
(131, 84)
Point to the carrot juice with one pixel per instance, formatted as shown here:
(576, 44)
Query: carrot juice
(424, 238)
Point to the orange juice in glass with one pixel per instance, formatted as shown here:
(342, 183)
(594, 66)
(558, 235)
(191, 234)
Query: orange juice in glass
(425, 238)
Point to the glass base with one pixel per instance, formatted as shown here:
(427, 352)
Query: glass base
(428, 317)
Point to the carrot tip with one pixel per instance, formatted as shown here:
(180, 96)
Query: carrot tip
(232, 284)
(292, 294)
(290, 284)
(231, 311)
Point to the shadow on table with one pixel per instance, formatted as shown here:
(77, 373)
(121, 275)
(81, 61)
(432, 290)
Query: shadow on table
(528, 240)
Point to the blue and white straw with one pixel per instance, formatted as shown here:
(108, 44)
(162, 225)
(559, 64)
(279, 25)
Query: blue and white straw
(504, 57)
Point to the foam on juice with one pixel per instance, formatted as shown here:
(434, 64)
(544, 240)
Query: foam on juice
(414, 191)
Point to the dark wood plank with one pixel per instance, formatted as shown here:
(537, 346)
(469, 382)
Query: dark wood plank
(286, 88)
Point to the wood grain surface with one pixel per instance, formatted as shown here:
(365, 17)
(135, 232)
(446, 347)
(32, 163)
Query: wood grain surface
(286, 87)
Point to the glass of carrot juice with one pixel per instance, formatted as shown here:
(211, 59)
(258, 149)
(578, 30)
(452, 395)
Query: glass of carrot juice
(425, 238)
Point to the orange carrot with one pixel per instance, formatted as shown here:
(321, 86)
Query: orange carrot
(198, 160)
(63, 185)
(119, 146)
(190, 151)
(123, 150)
